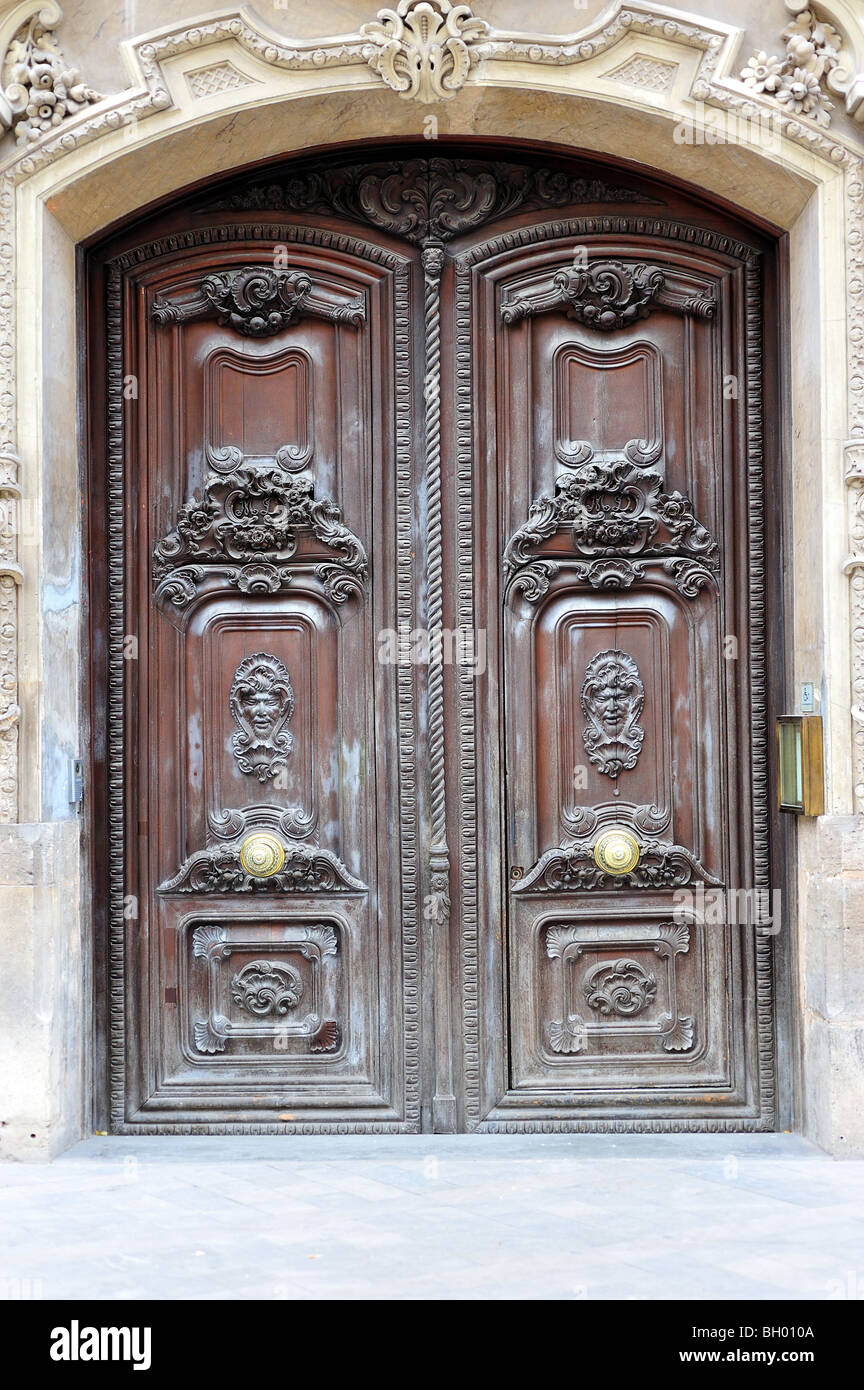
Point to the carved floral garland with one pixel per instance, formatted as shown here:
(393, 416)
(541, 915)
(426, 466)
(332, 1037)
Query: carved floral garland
(813, 55)
(41, 88)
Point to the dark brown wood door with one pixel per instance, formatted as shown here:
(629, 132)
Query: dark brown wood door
(429, 579)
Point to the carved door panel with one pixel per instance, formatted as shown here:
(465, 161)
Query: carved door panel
(429, 607)
(632, 684)
(252, 545)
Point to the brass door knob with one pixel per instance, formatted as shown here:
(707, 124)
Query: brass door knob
(616, 851)
(262, 855)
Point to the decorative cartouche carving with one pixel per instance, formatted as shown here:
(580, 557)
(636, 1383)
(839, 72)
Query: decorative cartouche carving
(572, 867)
(218, 869)
(619, 987)
(244, 529)
(424, 49)
(426, 200)
(261, 988)
(256, 301)
(612, 700)
(266, 987)
(815, 58)
(607, 295)
(261, 703)
(41, 89)
(615, 507)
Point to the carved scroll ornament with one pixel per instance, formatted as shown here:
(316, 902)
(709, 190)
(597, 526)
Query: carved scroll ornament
(426, 200)
(256, 301)
(606, 295)
(618, 516)
(245, 527)
(572, 867)
(306, 869)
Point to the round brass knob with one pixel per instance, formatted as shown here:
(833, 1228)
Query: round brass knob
(616, 851)
(262, 855)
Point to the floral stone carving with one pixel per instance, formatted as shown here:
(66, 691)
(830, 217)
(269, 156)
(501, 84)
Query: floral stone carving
(41, 89)
(815, 59)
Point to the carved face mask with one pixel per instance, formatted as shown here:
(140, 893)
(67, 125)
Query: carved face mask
(261, 703)
(612, 699)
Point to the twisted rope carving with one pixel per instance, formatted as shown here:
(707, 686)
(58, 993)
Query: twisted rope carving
(433, 264)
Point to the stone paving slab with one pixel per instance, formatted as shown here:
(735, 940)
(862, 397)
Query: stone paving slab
(440, 1217)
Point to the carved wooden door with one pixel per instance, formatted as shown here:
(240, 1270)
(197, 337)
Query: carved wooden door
(260, 756)
(622, 404)
(428, 654)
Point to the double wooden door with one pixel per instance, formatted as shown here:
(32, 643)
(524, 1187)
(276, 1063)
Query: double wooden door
(426, 518)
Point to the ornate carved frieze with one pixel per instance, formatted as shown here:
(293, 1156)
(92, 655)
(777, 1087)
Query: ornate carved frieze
(40, 88)
(571, 867)
(218, 869)
(245, 527)
(261, 701)
(607, 295)
(817, 57)
(424, 49)
(256, 301)
(615, 507)
(426, 200)
(612, 699)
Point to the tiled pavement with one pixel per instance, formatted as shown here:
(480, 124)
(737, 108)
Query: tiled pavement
(485, 1216)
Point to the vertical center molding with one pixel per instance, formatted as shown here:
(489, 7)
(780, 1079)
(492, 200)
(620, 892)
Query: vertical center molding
(438, 910)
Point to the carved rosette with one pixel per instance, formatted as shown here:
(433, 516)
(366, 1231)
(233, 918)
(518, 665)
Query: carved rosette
(261, 703)
(615, 508)
(612, 699)
(245, 527)
(424, 49)
(256, 301)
